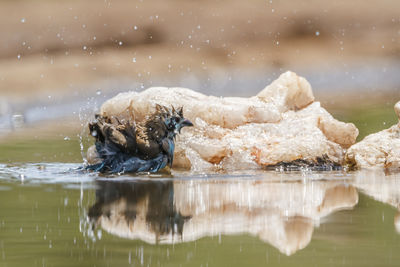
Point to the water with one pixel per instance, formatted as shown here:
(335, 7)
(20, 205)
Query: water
(53, 215)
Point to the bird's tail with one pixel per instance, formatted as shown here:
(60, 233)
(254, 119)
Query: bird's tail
(118, 164)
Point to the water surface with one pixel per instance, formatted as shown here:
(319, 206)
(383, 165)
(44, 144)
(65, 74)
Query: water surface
(53, 215)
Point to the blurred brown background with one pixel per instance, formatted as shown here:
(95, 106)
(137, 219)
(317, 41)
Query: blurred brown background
(57, 56)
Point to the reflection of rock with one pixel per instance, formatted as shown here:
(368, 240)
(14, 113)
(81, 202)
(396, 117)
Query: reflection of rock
(282, 214)
(397, 222)
(378, 150)
(281, 123)
(381, 186)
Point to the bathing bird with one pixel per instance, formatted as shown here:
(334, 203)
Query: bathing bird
(147, 146)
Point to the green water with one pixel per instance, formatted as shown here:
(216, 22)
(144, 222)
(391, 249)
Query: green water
(55, 215)
(263, 219)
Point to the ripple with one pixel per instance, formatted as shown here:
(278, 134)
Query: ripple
(47, 173)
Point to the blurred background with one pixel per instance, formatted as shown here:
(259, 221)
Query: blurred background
(60, 59)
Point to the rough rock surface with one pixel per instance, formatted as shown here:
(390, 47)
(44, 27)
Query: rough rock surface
(378, 150)
(280, 124)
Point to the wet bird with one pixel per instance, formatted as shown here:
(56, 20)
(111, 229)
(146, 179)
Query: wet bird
(147, 146)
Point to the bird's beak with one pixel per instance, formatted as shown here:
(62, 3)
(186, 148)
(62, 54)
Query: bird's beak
(184, 123)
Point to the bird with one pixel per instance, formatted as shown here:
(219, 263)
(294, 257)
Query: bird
(147, 146)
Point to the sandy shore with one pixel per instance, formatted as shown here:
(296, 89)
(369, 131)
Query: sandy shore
(65, 47)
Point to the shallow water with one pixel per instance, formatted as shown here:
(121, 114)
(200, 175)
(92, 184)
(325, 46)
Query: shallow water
(53, 215)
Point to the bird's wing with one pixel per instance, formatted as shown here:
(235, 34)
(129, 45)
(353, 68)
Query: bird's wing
(116, 135)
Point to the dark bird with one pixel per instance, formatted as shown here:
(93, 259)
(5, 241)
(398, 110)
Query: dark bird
(147, 146)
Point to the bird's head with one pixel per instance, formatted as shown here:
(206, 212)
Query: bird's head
(173, 118)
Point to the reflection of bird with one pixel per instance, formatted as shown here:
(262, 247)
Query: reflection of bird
(145, 147)
(146, 207)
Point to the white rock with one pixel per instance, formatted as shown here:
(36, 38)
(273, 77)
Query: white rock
(378, 150)
(281, 123)
(397, 109)
(288, 92)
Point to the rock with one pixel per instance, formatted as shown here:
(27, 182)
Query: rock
(288, 92)
(280, 124)
(378, 150)
(397, 109)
